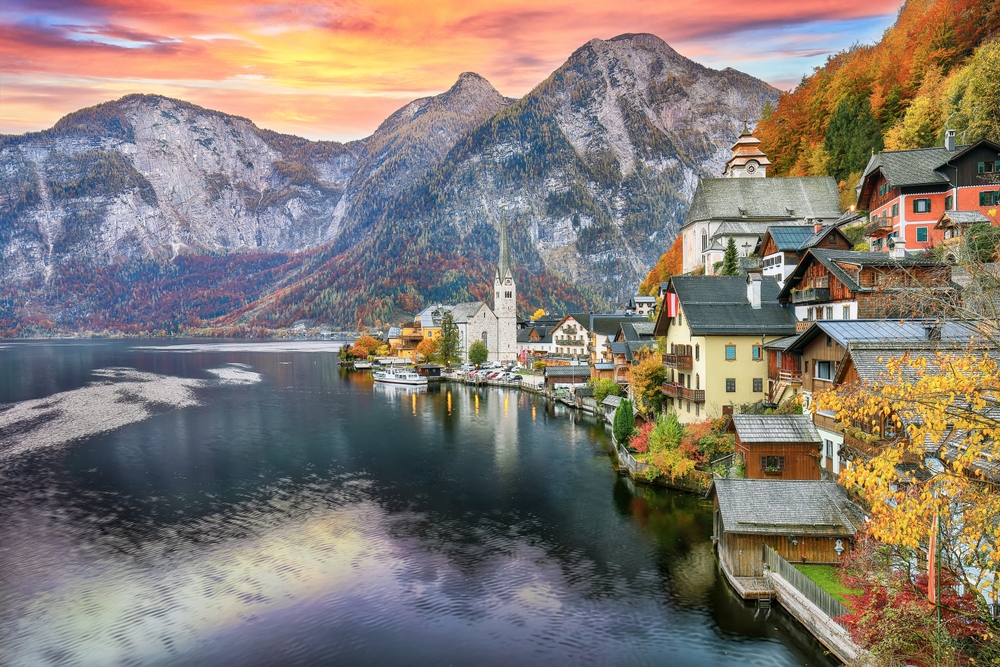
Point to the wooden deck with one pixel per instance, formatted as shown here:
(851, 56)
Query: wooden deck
(748, 588)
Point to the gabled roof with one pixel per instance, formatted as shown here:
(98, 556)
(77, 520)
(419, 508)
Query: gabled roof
(638, 330)
(886, 331)
(607, 325)
(788, 237)
(461, 312)
(921, 166)
(612, 401)
(960, 218)
(768, 198)
(792, 507)
(834, 259)
(630, 347)
(869, 357)
(775, 428)
(604, 366)
(567, 371)
(718, 305)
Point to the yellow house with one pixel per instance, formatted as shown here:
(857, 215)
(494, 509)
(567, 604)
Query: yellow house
(715, 329)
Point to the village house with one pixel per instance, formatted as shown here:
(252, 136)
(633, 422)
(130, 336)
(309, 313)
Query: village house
(777, 446)
(603, 329)
(643, 306)
(744, 203)
(803, 521)
(630, 338)
(906, 192)
(534, 341)
(848, 285)
(570, 338)
(566, 377)
(782, 247)
(953, 226)
(715, 329)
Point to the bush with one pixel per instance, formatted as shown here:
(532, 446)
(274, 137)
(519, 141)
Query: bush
(539, 366)
(624, 422)
(478, 352)
(606, 387)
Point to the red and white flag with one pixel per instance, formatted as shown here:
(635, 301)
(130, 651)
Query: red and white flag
(673, 304)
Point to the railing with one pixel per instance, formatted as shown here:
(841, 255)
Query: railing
(802, 325)
(811, 295)
(628, 461)
(866, 449)
(830, 606)
(792, 377)
(676, 390)
(683, 362)
(827, 422)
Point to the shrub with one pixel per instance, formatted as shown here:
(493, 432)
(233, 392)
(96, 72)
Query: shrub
(624, 422)
(606, 387)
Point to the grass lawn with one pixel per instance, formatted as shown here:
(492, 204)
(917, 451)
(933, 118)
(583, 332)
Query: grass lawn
(827, 578)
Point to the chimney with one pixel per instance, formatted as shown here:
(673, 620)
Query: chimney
(949, 140)
(898, 250)
(818, 227)
(753, 289)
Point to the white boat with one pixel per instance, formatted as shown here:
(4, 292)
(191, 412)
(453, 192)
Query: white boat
(362, 365)
(399, 376)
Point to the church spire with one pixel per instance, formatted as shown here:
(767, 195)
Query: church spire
(504, 267)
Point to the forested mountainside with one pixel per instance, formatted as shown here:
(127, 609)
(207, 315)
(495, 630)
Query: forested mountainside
(934, 69)
(149, 213)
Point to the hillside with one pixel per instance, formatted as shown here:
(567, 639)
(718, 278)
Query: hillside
(595, 168)
(934, 69)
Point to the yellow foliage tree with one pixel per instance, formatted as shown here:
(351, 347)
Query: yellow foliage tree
(646, 377)
(538, 313)
(939, 413)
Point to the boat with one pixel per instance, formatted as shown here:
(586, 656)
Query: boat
(362, 365)
(399, 376)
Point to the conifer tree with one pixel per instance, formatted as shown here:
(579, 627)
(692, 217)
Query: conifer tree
(624, 422)
(448, 344)
(730, 261)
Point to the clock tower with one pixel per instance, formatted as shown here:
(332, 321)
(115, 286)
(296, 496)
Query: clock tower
(748, 160)
(505, 300)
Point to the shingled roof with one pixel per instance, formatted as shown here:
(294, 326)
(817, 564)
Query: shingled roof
(567, 371)
(911, 167)
(718, 305)
(769, 198)
(834, 259)
(775, 428)
(787, 507)
(888, 332)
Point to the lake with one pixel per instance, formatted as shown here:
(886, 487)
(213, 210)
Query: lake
(202, 503)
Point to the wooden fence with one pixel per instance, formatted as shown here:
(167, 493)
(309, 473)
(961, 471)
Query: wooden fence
(803, 584)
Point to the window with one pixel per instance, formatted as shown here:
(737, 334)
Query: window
(697, 381)
(697, 352)
(829, 448)
(921, 205)
(847, 312)
(988, 198)
(809, 314)
(819, 312)
(806, 368)
(697, 409)
(730, 353)
(895, 209)
(829, 312)
(730, 385)
(704, 240)
(758, 352)
(689, 406)
(772, 463)
(988, 167)
(921, 234)
(486, 339)
(824, 370)
(758, 385)
(949, 202)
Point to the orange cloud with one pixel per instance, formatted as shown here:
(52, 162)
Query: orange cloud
(336, 69)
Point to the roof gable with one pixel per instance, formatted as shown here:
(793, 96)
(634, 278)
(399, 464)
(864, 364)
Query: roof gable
(767, 198)
(764, 506)
(718, 305)
(760, 429)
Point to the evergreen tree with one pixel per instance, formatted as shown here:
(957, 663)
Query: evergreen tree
(853, 134)
(624, 422)
(731, 260)
(448, 344)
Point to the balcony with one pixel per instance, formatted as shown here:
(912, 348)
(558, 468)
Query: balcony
(867, 450)
(879, 225)
(682, 362)
(811, 295)
(676, 390)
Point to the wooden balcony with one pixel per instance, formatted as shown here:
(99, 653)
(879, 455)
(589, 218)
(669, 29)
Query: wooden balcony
(802, 325)
(682, 362)
(811, 295)
(791, 377)
(826, 422)
(867, 450)
(675, 390)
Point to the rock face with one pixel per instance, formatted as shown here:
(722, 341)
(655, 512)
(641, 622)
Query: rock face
(595, 167)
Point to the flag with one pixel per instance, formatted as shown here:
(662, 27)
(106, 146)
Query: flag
(673, 304)
(931, 558)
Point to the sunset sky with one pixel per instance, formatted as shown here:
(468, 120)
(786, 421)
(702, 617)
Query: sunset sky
(335, 70)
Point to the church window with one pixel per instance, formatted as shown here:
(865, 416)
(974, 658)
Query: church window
(704, 240)
(486, 338)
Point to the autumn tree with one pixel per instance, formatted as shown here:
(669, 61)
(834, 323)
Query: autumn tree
(646, 377)
(606, 387)
(427, 348)
(938, 414)
(671, 263)
(449, 346)
(478, 352)
(537, 314)
(368, 344)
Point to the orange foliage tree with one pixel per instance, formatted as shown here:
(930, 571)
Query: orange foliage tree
(427, 348)
(671, 263)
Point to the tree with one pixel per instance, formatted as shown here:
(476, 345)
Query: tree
(478, 352)
(368, 344)
(427, 348)
(606, 387)
(974, 95)
(624, 422)
(449, 344)
(937, 417)
(731, 260)
(538, 313)
(851, 138)
(539, 366)
(646, 378)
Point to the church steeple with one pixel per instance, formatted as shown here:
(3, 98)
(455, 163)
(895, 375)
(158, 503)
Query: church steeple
(504, 267)
(747, 159)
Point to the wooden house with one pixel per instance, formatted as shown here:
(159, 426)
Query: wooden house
(804, 521)
(848, 285)
(777, 446)
(782, 247)
(557, 377)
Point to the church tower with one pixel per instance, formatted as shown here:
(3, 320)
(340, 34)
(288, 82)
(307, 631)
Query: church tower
(505, 300)
(748, 160)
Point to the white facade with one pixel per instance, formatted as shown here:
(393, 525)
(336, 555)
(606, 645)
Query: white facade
(475, 321)
(570, 339)
(505, 301)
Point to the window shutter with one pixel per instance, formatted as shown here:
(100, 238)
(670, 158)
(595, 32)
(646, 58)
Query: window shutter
(982, 167)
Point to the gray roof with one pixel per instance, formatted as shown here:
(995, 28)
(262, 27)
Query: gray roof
(630, 347)
(775, 428)
(613, 401)
(790, 237)
(461, 312)
(780, 343)
(889, 332)
(638, 330)
(792, 507)
(607, 325)
(911, 167)
(717, 305)
(832, 259)
(604, 366)
(743, 228)
(524, 335)
(869, 358)
(644, 299)
(964, 217)
(771, 198)
(567, 371)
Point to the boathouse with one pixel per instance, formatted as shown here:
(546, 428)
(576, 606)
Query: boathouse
(803, 521)
(777, 446)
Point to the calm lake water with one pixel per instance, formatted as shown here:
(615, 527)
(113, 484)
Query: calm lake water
(244, 504)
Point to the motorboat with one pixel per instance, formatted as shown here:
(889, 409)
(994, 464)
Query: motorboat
(362, 365)
(399, 376)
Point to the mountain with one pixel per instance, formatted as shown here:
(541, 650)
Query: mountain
(934, 69)
(184, 215)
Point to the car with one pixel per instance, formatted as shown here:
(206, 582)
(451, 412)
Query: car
(467, 367)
